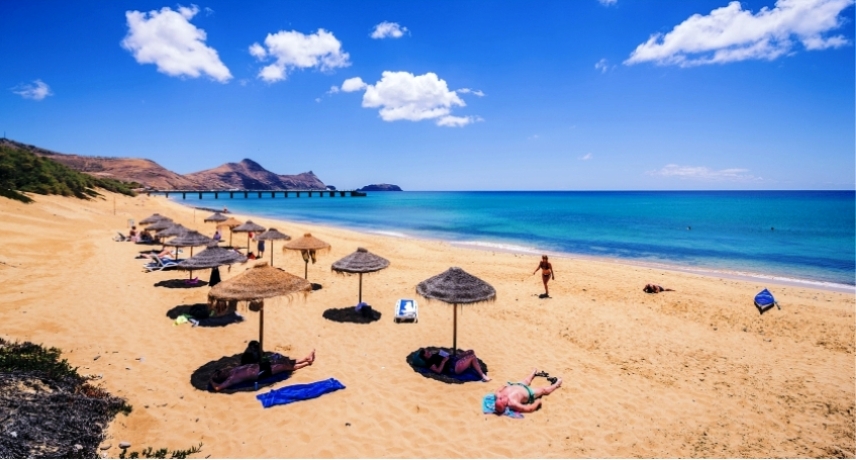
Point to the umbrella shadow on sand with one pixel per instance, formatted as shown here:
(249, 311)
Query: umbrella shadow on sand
(180, 284)
(202, 376)
(351, 315)
(189, 309)
(469, 375)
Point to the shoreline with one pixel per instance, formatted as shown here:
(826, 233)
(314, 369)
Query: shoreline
(780, 280)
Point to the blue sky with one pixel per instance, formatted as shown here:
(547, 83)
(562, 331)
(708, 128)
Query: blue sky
(471, 95)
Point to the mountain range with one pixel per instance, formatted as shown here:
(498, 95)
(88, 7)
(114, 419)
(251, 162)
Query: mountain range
(247, 174)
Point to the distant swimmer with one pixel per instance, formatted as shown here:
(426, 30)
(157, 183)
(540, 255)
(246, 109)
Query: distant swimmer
(546, 273)
(689, 228)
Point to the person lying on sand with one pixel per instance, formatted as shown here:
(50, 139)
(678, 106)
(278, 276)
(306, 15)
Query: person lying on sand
(225, 378)
(654, 288)
(521, 397)
(166, 253)
(440, 361)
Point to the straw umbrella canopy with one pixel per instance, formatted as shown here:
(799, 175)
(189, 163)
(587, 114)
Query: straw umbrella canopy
(260, 282)
(230, 223)
(162, 224)
(361, 261)
(216, 217)
(272, 234)
(152, 219)
(173, 230)
(212, 257)
(456, 286)
(307, 245)
(248, 227)
(190, 239)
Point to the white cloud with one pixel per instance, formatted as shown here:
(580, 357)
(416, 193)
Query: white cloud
(388, 30)
(607, 2)
(731, 33)
(258, 51)
(706, 174)
(474, 92)
(37, 91)
(404, 96)
(601, 65)
(353, 84)
(586, 157)
(294, 50)
(167, 39)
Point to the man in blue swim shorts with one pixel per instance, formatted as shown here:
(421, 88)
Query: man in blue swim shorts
(521, 397)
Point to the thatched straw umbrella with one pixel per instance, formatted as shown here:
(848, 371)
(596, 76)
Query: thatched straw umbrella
(162, 224)
(190, 239)
(361, 261)
(456, 286)
(230, 224)
(308, 245)
(152, 219)
(216, 217)
(272, 234)
(260, 282)
(248, 227)
(174, 230)
(212, 257)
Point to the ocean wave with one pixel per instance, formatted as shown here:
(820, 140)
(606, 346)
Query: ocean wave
(389, 233)
(498, 246)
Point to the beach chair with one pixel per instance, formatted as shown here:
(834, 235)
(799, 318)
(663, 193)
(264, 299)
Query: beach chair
(406, 310)
(120, 237)
(159, 264)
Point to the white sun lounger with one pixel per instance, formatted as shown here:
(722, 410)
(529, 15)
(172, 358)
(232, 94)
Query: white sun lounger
(406, 310)
(159, 264)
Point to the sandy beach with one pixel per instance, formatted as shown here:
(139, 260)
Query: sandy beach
(691, 373)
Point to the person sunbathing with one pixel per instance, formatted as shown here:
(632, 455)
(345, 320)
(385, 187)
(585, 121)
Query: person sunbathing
(654, 288)
(165, 254)
(225, 378)
(521, 397)
(442, 362)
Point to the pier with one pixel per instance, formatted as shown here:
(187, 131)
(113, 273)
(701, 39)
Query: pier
(259, 193)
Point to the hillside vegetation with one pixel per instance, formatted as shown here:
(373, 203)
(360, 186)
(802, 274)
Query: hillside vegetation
(23, 171)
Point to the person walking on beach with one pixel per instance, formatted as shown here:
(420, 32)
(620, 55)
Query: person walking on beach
(546, 273)
(261, 249)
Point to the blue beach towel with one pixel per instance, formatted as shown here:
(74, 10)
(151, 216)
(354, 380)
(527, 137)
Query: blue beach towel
(299, 392)
(489, 405)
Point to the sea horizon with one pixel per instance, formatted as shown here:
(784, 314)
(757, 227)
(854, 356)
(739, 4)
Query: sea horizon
(803, 237)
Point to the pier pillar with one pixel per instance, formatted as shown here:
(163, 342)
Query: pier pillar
(246, 194)
(183, 196)
(200, 195)
(216, 195)
(231, 194)
(298, 194)
(167, 194)
(260, 194)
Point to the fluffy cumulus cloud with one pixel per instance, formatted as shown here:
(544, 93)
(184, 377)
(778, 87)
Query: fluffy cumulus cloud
(167, 39)
(586, 157)
(388, 30)
(404, 96)
(37, 90)
(731, 33)
(706, 174)
(602, 65)
(293, 50)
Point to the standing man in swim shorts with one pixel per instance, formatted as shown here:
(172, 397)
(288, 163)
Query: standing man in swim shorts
(521, 397)
(546, 273)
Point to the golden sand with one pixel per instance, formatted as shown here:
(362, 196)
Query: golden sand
(692, 373)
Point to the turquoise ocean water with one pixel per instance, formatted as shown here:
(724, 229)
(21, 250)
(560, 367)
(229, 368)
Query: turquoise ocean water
(802, 235)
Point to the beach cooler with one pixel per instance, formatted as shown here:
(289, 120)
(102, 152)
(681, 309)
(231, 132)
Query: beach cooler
(765, 301)
(406, 310)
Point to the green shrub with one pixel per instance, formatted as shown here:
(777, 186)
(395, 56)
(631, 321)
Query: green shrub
(24, 171)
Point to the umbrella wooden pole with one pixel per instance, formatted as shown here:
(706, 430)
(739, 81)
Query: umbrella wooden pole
(455, 327)
(361, 288)
(261, 331)
(271, 253)
(306, 270)
(248, 244)
(230, 237)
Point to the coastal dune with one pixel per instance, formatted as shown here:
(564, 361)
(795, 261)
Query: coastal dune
(692, 373)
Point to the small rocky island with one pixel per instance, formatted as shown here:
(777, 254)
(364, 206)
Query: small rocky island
(380, 188)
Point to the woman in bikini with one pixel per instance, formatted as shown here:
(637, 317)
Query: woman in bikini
(655, 288)
(546, 273)
(225, 378)
(442, 362)
(521, 397)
